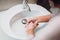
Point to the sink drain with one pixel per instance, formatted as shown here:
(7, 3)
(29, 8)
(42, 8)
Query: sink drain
(24, 21)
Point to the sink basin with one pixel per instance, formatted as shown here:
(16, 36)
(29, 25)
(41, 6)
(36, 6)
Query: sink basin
(11, 20)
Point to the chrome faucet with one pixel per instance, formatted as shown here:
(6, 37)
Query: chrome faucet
(25, 5)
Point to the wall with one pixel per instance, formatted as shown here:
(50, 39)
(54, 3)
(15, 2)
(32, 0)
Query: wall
(5, 4)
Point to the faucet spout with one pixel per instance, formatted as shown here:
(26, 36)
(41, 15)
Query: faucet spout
(25, 5)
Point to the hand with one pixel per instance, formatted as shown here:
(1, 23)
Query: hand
(30, 29)
(30, 26)
(35, 20)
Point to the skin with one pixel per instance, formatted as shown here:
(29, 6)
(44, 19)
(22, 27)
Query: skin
(51, 31)
(40, 19)
(33, 23)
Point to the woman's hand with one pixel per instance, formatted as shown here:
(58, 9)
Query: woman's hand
(39, 19)
(30, 25)
(30, 29)
(34, 20)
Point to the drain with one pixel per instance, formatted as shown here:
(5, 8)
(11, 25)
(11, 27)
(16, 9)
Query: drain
(24, 21)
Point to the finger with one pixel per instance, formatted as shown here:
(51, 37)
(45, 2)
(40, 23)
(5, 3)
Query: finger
(36, 23)
(29, 24)
(29, 20)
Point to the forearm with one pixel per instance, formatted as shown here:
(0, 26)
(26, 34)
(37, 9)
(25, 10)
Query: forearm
(44, 18)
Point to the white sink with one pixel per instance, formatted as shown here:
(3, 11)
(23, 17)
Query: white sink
(8, 18)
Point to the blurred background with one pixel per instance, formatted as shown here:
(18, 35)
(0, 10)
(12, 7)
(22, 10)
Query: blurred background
(5, 4)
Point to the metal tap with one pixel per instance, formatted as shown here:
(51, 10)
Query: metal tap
(25, 5)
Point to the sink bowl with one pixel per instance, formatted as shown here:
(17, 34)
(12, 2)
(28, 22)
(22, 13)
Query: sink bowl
(11, 20)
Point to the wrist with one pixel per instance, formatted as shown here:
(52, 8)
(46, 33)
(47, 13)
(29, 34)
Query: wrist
(31, 31)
